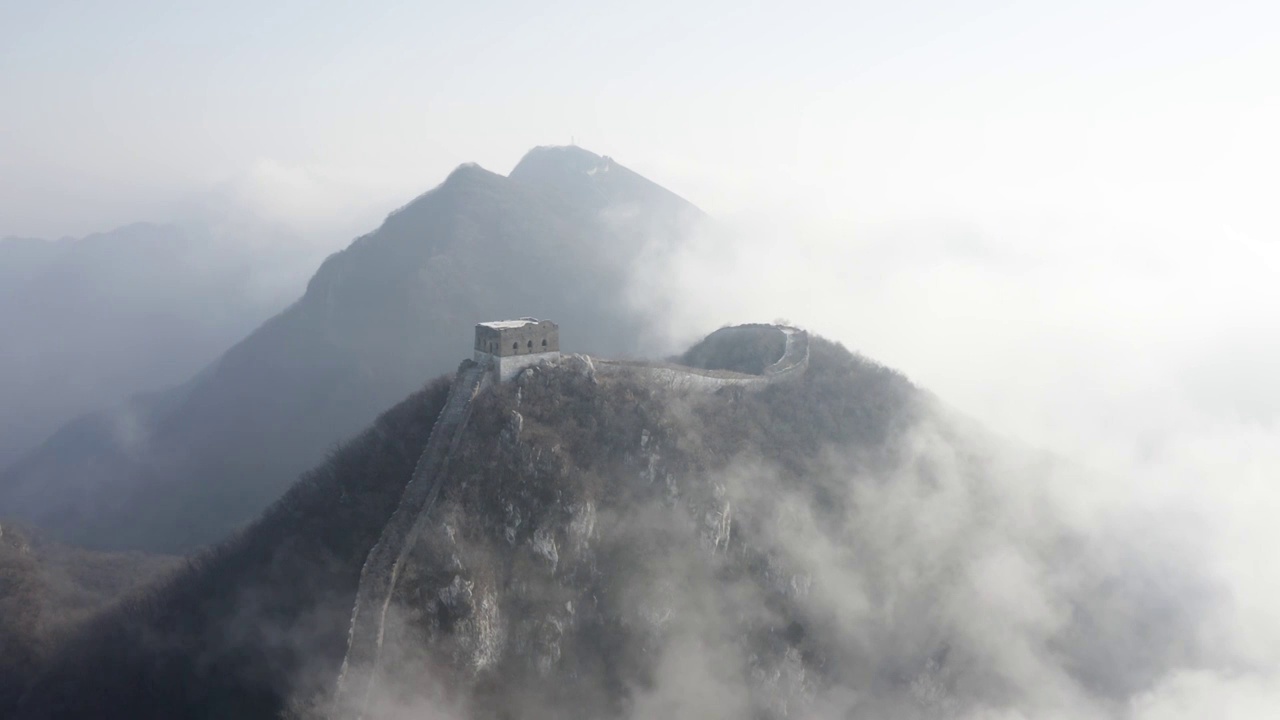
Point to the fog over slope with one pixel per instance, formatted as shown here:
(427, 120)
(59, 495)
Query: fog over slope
(836, 545)
(557, 238)
(1136, 345)
(87, 322)
(1147, 377)
(1057, 218)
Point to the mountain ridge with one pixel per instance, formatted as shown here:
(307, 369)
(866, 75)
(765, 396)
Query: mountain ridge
(361, 501)
(611, 545)
(89, 321)
(375, 319)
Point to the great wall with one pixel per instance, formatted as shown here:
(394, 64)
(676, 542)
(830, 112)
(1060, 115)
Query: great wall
(793, 362)
(381, 569)
(358, 678)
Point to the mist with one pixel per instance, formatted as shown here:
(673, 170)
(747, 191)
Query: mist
(91, 322)
(955, 573)
(1059, 221)
(1139, 351)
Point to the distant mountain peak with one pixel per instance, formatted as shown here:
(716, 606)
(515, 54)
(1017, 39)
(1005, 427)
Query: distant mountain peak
(558, 238)
(467, 176)
(592, 179)
(468, 171)
(550, 161)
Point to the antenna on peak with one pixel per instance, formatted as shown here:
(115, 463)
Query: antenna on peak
(572, 143)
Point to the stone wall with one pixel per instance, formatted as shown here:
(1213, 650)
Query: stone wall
(358, 677)
(517, 337)
(794, 360)
(793, 363)
(506, 368)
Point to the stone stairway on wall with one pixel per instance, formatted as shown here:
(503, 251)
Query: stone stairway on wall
(381, 569)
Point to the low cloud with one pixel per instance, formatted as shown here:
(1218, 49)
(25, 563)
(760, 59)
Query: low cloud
(1138, 353)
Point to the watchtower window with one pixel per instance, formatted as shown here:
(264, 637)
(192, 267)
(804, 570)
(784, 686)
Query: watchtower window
(515, 346)
(544, 342)
(530, 344)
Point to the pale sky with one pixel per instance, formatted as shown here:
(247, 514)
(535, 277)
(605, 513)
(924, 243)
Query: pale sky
(848, 110)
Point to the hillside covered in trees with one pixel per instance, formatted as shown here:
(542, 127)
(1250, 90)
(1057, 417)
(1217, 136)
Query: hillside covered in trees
(49, 590)
(609, 546)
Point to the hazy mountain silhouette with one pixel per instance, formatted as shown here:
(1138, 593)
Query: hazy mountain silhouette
(87, 322)
(180, 468)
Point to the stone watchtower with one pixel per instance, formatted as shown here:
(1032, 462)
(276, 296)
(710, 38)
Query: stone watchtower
(509, 346)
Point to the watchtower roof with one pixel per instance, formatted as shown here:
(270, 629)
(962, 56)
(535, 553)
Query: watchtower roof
(509, 324)
(526, 336)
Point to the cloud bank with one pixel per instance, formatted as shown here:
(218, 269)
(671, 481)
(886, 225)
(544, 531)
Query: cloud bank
(1138, 350)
